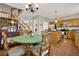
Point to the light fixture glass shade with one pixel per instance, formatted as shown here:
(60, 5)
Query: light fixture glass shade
(37, 5)
(26, 6)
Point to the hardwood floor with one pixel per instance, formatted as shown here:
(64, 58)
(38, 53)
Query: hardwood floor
(64, 48)
(2, 53)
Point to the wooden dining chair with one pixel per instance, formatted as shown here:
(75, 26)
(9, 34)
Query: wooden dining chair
(43, 48)
(50, 40)
(17, 51)
(5, 42)
(13, 51)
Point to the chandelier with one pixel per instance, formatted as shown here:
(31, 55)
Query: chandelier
(31, 7)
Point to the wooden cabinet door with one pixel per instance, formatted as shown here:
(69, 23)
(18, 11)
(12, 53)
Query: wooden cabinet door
(54, 37)
(70, 35)
(77, 39)
(77, 42)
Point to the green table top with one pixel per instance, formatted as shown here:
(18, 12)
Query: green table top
(28, 39)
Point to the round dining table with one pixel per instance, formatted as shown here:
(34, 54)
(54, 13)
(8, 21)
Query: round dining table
(28, 40)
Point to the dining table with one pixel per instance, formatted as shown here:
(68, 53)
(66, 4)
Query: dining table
(28, 40)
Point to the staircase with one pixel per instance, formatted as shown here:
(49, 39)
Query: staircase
(22, 23)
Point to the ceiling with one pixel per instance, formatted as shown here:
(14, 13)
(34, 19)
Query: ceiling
(48, 10)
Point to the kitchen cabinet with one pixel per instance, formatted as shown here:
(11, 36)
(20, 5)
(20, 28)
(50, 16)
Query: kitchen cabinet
(77, 42)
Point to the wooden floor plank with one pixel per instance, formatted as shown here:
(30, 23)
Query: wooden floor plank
(2, 53)
(63, 48)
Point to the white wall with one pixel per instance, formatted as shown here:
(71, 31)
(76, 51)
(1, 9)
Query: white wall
(48, 10)
(72, 16)
(6, 9)
(42, 24)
